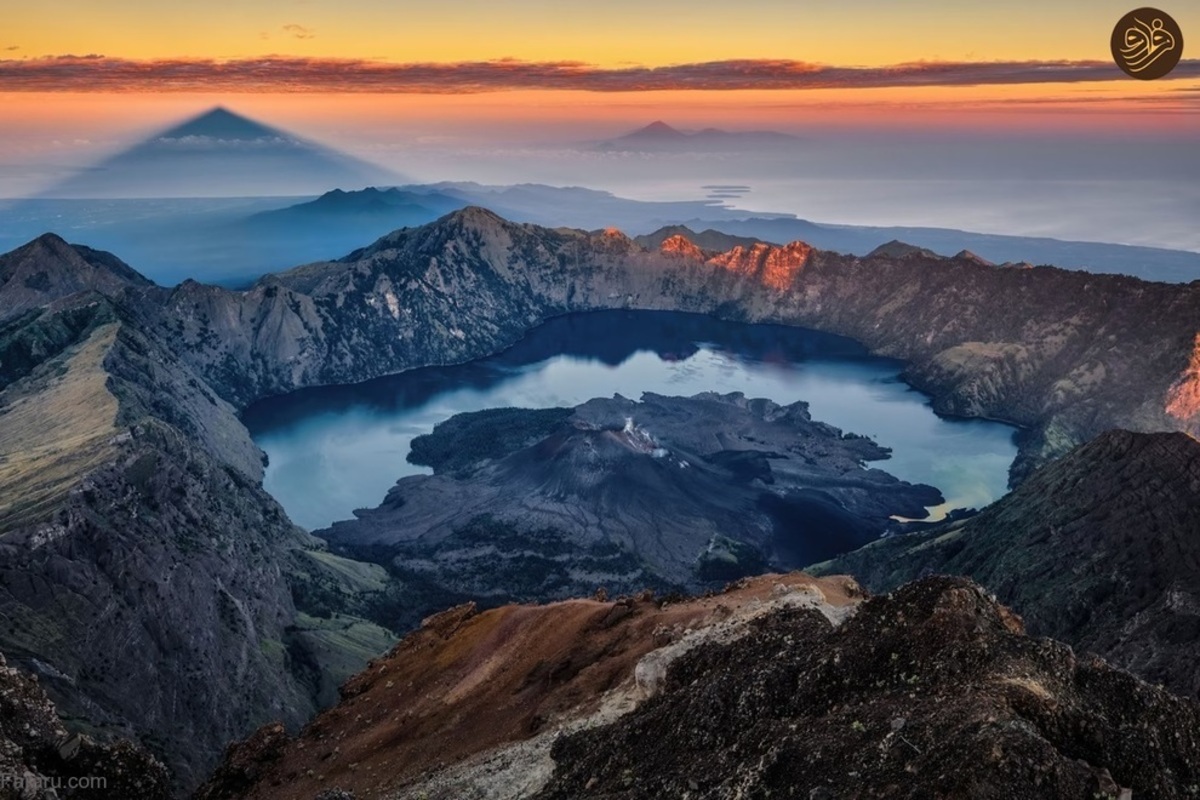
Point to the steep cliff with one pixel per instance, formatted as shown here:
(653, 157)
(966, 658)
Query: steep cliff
(1100, 549)
(933, 691)
(1065, 354)
(145, 575)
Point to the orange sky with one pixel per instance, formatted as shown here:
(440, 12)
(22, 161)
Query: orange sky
(77, 103)
(651, 32)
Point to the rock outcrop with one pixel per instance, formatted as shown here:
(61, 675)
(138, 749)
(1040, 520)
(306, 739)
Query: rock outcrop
(144, 572)
(933, 691)
(1066, 355)
(1100, 549)
(41, 760)
(470, 704)
(781, 686)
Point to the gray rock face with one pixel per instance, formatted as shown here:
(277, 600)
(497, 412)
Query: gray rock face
(1065, 354)
(931, 691)
(672, 493)
(48, 268)
(1100, 549)
(144, 572)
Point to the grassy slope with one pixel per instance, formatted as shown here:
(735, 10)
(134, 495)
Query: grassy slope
(57, 426)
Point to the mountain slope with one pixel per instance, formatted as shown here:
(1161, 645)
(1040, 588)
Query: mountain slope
(933, 691)
(1147, 263)
(779, 686)
(47, 269)
(144, 573)
(1100, 549)
(134, 559)
(38, 756)
(99, 529)
(469, 705)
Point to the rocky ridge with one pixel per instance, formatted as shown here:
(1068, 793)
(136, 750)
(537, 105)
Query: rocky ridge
(780, 686)
(144, 572)
(1066, 355)
(1100, 549)
(932, 691)
(470, 704)
(40, 760)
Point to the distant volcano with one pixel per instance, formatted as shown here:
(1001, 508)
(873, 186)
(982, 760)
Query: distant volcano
(659, 136)
(222, 154)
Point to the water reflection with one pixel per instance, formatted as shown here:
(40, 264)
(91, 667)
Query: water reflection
(334, 449)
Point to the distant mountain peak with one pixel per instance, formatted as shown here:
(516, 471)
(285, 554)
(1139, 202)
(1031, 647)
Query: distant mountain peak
(48, 269)
(658, 130)
(51, 242)
(476, 215)
(967, 255)
(659, 135)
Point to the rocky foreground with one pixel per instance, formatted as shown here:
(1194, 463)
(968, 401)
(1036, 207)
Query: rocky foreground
(783, 686)
(41, 760)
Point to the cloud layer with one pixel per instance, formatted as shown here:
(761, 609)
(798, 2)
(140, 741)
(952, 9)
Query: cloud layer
(96, 73)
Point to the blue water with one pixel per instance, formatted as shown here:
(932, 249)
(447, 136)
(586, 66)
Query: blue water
(335, 449)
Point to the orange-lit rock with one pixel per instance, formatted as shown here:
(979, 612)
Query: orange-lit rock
(775, 267)
(680, 246)
(1183, 398)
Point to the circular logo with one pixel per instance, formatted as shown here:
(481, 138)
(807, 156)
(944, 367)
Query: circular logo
(1147, 44)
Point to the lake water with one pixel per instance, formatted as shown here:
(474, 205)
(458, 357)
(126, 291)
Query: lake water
(335, 449)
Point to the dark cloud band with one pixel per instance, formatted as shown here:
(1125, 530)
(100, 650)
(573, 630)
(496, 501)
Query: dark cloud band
(291, 74)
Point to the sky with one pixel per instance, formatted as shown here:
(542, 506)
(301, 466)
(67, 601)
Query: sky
(432, 88)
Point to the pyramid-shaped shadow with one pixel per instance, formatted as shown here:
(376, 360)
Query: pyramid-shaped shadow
(222, 154)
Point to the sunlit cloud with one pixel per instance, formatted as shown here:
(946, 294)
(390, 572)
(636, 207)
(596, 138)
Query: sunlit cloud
(299, 32)
(94, 73)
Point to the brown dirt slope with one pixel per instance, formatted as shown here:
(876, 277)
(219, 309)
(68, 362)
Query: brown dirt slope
(466, 683)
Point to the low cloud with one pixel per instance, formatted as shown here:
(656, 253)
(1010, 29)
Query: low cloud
(296, 74)
(299, 32)
(12, 47)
